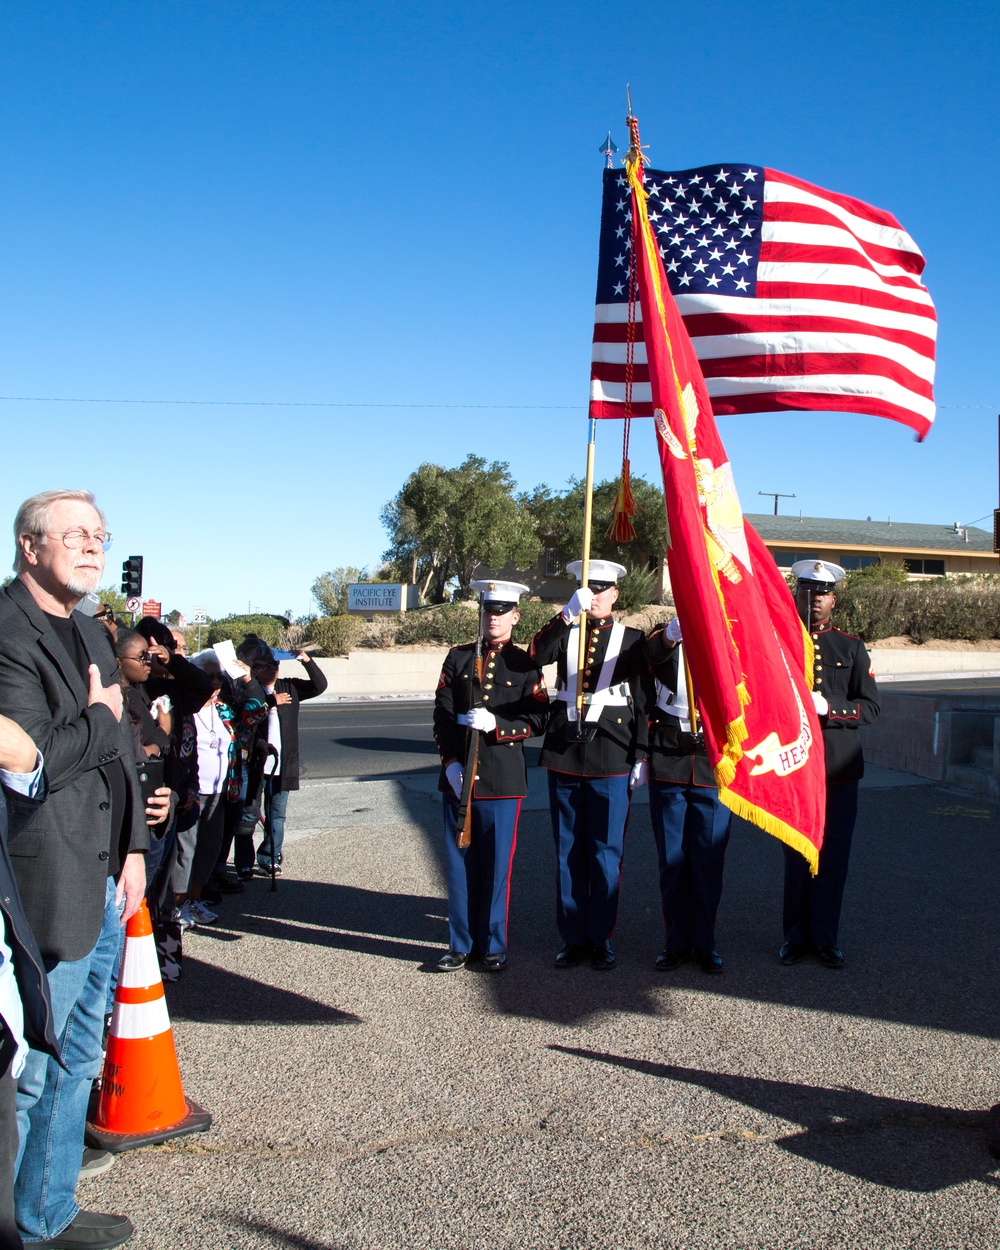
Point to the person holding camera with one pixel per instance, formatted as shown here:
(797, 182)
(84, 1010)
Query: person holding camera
(690, 825)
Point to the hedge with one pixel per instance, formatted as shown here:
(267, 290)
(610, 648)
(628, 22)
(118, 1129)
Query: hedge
(966, 608)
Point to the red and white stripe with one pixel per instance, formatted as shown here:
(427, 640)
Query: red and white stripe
(840, 320)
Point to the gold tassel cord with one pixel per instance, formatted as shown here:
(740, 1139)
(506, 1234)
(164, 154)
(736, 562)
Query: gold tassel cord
(621, 529)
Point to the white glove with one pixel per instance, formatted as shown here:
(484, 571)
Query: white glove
(673, 631)
(482, 719)
(820, 704)
(455, 777)
(639, 775)
(582, 598)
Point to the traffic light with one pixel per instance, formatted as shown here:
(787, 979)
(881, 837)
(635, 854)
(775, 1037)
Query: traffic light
(132, 577)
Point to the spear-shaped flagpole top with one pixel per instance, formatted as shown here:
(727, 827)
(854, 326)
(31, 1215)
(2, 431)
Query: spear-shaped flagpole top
(608, 149)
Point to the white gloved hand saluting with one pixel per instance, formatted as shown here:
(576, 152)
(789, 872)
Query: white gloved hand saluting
(820, 704)
(455, 776)
(482, 719)
(673, 631)
(582, 598)
(639, 775)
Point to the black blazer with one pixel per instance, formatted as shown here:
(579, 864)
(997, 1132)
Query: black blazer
(61, 862)
(32, 984)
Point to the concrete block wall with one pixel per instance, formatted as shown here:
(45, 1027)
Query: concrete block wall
(913, 734)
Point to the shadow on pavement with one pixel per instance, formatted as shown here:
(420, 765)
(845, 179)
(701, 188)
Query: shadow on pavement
(212, 995)
(922, 880)
(887, 1141)
(281, 1236)
(388, 744)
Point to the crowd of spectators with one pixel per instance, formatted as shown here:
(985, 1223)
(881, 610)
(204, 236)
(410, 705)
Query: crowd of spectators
(129, 772)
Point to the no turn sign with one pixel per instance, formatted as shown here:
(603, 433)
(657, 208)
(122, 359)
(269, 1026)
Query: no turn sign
(133, 605)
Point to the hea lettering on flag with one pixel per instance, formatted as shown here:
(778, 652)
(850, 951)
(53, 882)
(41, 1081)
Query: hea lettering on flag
(751, 660)
(793, 297)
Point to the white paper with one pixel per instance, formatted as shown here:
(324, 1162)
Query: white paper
(227, 658)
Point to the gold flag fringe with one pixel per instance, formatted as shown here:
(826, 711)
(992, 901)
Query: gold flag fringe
(771, 824)
(810, 656)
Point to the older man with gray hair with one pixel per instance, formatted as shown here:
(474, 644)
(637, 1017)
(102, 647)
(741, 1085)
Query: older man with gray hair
(80, 867)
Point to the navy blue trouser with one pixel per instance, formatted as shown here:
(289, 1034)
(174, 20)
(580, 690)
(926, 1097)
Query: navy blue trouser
(691, 829)
(589, 815)
(479, 875)
(811, 914)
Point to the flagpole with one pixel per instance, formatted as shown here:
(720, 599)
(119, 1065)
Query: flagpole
(588, 510)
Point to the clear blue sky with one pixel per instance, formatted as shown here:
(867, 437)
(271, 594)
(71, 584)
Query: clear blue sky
(398, 203)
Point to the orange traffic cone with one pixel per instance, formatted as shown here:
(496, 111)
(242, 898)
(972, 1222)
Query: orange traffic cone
(141, 1101)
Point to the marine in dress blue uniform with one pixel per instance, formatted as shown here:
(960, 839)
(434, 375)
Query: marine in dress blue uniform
(508, 707)
(593, 764)
(846, 698)
(690, 825)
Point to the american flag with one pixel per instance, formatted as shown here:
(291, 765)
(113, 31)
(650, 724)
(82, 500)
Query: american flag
(794, 297)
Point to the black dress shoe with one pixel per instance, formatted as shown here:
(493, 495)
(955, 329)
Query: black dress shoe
(709, 961)
(494, 963)
(830, 956)
(667, 961)
(791, 953)
(453, 961)
(603, 959)
(90, 1230)
(570, 955)
(993, 1130)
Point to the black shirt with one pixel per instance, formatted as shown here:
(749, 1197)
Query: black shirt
(113, 773)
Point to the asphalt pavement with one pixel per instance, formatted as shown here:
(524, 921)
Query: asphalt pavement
(362, 1100)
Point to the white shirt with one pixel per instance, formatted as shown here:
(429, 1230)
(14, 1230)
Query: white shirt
(27, 784)
(272, 765)
(213, 749)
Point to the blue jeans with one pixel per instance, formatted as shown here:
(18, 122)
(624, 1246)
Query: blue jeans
(278, 805)
(51, 1102)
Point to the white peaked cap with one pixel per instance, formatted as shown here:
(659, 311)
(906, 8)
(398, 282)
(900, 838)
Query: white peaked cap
(599, 571)
(500, 592)
(818, 571)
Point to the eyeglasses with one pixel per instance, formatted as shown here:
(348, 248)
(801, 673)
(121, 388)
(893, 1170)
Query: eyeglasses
(75, 539)
(104, 616)
(144, 657)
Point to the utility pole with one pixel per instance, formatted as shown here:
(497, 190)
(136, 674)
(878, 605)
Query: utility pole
(773, 494)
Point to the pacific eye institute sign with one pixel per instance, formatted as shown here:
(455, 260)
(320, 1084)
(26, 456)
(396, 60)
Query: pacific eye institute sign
(380, 597)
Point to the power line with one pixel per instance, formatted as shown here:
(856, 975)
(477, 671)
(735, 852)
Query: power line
(278, 403)
(331, 403)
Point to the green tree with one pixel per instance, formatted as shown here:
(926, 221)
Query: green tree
(330, 589)
(561, 517)
(446, 523)
(113, 596)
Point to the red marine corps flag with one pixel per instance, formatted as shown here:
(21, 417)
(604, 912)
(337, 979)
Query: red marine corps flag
(750, 657)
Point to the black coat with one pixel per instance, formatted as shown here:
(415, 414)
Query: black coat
(673, 755)
(16, 814)
(61, 862)
(843, 674)
(622, 730)
(288, 721)
(514, 691)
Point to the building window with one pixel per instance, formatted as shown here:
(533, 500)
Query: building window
(785, 559)
(929, 568)
(554, 562)
(849, 563)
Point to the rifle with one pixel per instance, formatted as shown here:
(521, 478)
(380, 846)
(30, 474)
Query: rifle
(463, 820)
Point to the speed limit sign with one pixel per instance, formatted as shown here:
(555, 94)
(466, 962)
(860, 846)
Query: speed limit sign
(133, 605)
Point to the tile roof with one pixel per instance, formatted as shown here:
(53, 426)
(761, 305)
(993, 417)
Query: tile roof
(886, 534)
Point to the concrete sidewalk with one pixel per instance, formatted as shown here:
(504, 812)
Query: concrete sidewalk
(362, 1101)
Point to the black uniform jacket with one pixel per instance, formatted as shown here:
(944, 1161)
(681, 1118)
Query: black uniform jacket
(672, 755)
(514, 691)
(622, 730)
(843, 675)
